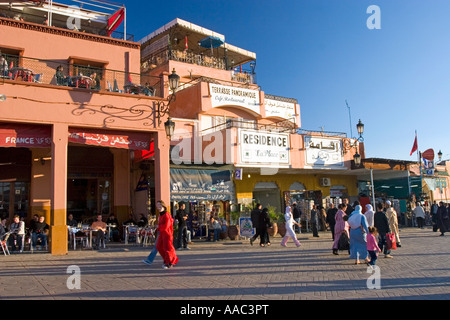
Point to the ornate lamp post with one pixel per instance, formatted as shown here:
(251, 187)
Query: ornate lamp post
(360, 128)
(162, 109)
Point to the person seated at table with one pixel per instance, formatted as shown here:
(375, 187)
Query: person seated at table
(3, 228)
(61, 79)
(17, 229)
(95, 85)
(143, 221)
(71, 222)
(99, 232)
(114, 230)
(39, 231)
(4, 70)
(130, 220)
(148, 90)
(215, 228)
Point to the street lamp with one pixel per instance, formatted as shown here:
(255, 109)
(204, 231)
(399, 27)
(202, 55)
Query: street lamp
(360, 128)
(357, 156)
(2, 97)
(440, 155)
(357, 159)
(162, 108)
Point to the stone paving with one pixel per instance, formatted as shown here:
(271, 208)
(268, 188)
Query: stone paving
(234, 270)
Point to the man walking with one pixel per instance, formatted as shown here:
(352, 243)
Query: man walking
(254, 216)
(442, 218)
(420, 215)
(331, 220)
(296, 213)
(315, 221)
(181, 216)
(381, 222)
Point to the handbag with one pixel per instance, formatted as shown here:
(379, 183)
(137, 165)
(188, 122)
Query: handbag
(344, 241)
(391, 243)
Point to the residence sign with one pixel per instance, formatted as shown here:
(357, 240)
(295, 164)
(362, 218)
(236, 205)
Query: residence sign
(264, 148)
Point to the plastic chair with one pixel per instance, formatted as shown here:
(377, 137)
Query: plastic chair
(38, 78)
(132, 231)
(82, 238)
(148, 236)
(4, 243)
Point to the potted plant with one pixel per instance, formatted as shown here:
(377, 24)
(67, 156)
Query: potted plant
(273, 215)
(281, 223)
(233, 229)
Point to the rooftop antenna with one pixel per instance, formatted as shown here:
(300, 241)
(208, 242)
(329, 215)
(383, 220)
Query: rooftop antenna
(350, 117)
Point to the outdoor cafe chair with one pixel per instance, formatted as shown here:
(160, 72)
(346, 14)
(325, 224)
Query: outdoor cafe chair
(4, 243)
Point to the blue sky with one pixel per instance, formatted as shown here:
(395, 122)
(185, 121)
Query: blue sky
(396, 79)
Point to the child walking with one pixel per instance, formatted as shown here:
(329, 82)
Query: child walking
(372, 246)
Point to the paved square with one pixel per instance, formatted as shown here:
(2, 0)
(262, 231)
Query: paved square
(234, 270)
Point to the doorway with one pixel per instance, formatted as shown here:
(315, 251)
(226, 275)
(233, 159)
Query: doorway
(267, 194)
(87, 197)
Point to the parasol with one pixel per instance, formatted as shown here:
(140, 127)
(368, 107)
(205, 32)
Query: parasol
(211, 42)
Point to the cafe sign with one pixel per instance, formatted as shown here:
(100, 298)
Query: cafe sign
(264, 148)
(321, 152)
(222, 96)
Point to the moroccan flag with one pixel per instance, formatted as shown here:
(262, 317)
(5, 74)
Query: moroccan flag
(414, 148)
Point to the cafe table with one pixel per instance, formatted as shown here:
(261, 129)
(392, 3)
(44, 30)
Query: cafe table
(82, 82)
(25, 73)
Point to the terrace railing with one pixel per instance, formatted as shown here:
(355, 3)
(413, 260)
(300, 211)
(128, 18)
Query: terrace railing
(62, 73)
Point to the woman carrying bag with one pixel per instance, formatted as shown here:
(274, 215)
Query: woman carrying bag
(358, 236)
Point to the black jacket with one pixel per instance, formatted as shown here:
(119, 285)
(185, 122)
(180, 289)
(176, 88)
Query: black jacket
(296, 213)
(381, 222)
(254, 216)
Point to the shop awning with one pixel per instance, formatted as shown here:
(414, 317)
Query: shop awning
(25, 136)
(113, 139)
(201, 185)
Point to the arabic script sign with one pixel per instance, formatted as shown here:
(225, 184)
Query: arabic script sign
(132, 141)
(323, 152)
(274, 108)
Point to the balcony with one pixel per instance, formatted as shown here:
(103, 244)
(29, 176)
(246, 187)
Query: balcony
(77, 74)
(62, 16)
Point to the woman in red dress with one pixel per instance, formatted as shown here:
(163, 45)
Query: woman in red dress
(164, 244)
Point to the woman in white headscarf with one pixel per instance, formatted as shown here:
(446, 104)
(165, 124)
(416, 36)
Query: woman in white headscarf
(358, 233)
(369, 215)
(290, 228)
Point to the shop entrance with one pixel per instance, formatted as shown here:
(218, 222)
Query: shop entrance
(14, 199)
(268, 194)
(89, 182)
(15, 177)
(88, 197)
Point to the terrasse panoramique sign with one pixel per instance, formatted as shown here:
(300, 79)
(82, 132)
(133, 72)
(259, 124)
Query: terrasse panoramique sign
(222, 96)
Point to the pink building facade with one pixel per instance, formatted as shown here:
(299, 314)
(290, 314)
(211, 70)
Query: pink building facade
(76, 125)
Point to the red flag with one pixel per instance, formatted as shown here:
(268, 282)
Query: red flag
(115, 20)
(414, 148)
